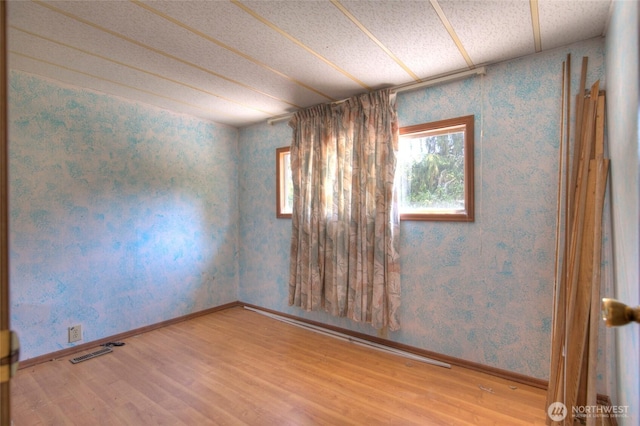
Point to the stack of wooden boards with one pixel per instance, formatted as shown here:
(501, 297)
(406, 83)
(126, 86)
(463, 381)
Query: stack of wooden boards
(582, 179)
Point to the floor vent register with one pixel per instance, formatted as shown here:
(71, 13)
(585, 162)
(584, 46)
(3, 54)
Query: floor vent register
(99, 352)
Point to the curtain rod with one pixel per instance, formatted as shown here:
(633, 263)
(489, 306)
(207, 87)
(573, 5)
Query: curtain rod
(405, 88)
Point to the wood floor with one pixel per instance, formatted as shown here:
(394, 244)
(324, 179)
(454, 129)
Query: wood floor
(238, 367)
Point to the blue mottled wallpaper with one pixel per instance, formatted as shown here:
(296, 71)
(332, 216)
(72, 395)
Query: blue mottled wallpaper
(480, 291)
(121, 215)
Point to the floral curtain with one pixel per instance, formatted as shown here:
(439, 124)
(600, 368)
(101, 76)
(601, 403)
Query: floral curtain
(345, 221)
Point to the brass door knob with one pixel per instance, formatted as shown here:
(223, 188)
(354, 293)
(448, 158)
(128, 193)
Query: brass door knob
(616, 313)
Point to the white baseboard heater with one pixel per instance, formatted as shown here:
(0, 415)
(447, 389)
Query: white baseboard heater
(351, 339)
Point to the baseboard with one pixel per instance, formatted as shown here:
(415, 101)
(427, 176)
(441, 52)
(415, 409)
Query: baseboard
(603, 400)
(497, 372)
(89, 345)
(515, 377)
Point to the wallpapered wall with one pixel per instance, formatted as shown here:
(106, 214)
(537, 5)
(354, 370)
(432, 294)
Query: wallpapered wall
(121, 215)
(479, 291)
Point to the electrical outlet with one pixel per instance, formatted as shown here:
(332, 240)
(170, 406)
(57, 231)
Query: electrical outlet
(75, 333)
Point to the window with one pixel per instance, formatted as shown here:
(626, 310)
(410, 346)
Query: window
(284, 183)
(435, 170)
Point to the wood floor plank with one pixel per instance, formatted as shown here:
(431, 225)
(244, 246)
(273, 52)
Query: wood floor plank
(236, 367)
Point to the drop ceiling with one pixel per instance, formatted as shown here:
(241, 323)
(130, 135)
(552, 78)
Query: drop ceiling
(242, 62)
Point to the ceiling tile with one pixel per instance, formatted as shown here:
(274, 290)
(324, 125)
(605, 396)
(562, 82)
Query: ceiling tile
(327, 31)
(566, 22)
(239, 62)
(492, 31)
(413, 32)
(234, 27)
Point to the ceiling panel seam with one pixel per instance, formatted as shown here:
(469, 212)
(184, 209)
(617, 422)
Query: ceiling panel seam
(299, 43)
(535, 23)
(452, 32)
(195, 57)
(86, 52)
(227, 47)
(120, 84)
(369, 34)
(160, 52)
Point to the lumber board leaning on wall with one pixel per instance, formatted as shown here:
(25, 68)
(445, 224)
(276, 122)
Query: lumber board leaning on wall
(577, 291)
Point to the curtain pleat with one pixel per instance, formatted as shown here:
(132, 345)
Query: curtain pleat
(345, 223)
